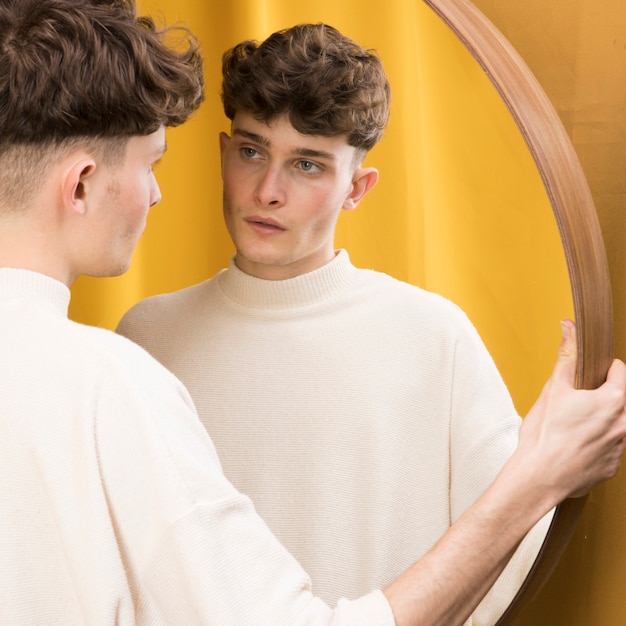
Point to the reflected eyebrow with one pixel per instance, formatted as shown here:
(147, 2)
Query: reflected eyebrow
(303, 152)
(316, 154)
(252, 137)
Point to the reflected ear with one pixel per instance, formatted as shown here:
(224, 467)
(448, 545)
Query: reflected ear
(224, 141)
(364, 179)
(76, 186)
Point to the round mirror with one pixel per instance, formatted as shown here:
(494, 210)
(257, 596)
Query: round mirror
(576, 218)
(475, 167)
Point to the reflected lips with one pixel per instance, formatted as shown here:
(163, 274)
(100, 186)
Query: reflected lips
(264, 225)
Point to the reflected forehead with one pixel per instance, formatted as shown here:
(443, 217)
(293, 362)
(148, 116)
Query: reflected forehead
(281, 134)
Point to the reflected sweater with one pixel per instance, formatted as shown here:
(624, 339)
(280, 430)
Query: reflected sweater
(361, 414)
(114, 508)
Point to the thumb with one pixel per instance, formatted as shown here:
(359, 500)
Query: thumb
(562, 380)
(565, 368)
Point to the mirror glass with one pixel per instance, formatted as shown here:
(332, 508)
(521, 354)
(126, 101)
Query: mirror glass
(461, 208)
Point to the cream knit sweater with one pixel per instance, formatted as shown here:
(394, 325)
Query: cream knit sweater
(361, 414)
(113, 506)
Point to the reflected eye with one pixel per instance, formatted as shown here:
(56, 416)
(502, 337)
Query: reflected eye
(309, 166)
(249, 153)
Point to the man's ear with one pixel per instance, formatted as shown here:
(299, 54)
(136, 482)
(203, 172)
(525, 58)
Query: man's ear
(224, 141)
(76, 186)
(364, 179)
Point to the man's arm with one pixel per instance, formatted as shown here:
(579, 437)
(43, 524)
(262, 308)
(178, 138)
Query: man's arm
(570, 441)
(229, 567)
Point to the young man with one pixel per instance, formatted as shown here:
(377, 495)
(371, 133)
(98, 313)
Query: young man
(362, 415)
(114, 506)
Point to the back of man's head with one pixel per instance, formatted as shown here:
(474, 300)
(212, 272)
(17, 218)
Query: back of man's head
(89, 68)
(79, 70)
(322, 80)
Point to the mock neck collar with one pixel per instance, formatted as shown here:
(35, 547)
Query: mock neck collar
(308, 289)
(20, 283)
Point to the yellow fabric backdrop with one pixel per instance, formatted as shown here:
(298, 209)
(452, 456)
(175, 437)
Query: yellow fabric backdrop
(460, 208)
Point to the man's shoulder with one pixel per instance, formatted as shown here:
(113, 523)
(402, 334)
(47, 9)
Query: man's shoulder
(165, 307)
(394, 292)
(134, 372)
(116, 354)
(184, 297)
(152, 322)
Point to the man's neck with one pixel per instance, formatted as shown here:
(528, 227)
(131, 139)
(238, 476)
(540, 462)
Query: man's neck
(34, 251)
(282, 272)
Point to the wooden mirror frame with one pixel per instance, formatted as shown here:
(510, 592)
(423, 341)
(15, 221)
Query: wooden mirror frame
(575, 213)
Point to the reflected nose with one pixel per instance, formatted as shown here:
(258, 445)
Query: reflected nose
(270, 190)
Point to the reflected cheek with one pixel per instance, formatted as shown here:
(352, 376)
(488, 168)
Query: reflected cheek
(240, 185)
(229, 197)
(229, 220)
(233, 201)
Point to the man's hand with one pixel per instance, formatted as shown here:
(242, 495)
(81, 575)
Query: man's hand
(573, 439)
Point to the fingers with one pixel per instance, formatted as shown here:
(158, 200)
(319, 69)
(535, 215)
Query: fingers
(577, 435)
(615, 389)
(607, 428)
(612, 396)
(564, 371)
(568, 347)
(617, 374)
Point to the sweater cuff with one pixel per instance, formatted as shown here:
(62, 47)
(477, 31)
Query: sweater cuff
(372, 609)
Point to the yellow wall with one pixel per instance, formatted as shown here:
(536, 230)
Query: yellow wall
(459, 208)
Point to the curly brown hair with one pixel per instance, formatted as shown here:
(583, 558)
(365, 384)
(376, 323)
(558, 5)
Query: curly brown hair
(322, 80)
(91, 68)
(85, 73)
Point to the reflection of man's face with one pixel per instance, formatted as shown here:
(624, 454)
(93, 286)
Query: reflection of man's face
(283, 192)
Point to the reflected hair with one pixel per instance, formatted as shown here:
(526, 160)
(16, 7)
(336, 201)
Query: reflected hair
(322, 80)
